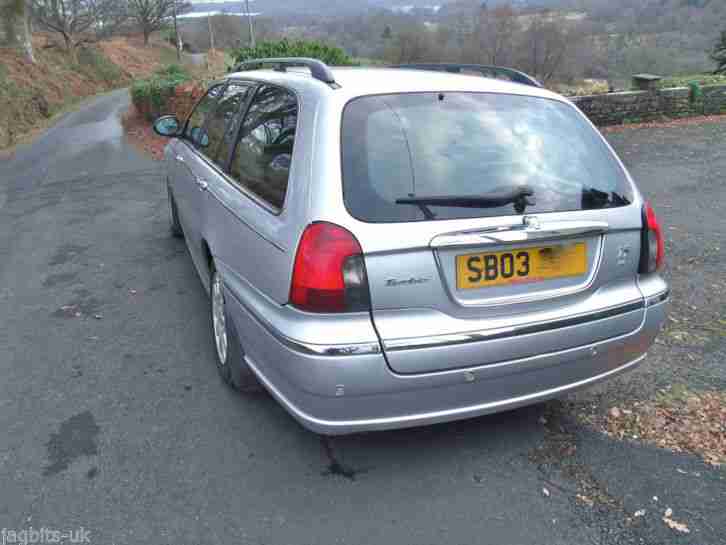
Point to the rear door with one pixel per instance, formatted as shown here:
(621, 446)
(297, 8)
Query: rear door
(246, 209)
(516, 229)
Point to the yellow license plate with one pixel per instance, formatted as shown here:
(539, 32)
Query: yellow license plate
(520, 266)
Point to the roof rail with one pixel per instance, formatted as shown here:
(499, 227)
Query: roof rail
(318, 69)
(486, 71)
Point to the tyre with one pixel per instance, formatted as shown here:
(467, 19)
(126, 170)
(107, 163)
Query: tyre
(174, 225)
(228, 350)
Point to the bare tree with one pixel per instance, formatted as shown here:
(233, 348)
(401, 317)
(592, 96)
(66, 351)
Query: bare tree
(26, 34)
(211, 35)
(17, 29)
(718, 55)
(111, 17)
(496, 34)
(73, 20)
(219, 31)
(412, 44)
(545, 44)
(153, 15)
(177, 38)
(250, 25)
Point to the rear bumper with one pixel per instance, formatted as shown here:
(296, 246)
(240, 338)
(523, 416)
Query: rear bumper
(345, 394)
(456, 412)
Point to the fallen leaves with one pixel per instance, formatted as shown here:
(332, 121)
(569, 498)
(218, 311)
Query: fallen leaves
(686, 422)
(131, 54)
(69, 311)
(582, 498)
(674, 524)
(558, 450)
(142, 136)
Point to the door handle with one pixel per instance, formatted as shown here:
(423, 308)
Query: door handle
(180, 158)
(202, 183)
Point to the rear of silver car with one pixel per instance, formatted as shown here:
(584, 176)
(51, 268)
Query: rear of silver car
(465, 253)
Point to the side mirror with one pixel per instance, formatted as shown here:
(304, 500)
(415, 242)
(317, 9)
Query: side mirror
(167, 125)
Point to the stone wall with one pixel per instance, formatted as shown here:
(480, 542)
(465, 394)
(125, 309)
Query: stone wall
(641, 106)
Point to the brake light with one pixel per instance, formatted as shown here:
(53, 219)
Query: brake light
(329, 273)
(652, 255)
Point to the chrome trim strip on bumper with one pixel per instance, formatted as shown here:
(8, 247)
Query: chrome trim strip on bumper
(523, 232)
(658, 298)
(343, 426)
(504, 332)
(351, 349)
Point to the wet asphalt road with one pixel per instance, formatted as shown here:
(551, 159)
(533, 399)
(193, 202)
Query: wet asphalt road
(112, 417)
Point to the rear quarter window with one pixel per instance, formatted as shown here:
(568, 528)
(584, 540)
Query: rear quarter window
(423, 145)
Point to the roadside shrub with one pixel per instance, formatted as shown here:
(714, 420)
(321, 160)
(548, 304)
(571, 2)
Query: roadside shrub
(173, 72)
(329, 54)
(582, 88)
(151, 96)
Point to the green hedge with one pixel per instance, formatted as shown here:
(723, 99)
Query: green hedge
(329, 54)
(150, 96)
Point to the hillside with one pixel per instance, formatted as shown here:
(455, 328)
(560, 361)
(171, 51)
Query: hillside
(345, 7)
(307, 7)
(32, 93)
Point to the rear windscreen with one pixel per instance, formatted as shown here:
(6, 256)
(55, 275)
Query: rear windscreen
(459, 145)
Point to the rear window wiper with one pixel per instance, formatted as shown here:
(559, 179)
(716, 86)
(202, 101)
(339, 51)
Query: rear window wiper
(519, 197)
(594, 199)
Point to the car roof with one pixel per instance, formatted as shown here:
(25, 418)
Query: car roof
(360, 81)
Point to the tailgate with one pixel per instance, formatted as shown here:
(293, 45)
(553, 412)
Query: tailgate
(434, 312)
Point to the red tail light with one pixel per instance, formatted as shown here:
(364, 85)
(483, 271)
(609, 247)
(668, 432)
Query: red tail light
(652, 254)
(329, 273)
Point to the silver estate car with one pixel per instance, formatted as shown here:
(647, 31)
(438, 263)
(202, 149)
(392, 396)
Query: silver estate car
(393, 247)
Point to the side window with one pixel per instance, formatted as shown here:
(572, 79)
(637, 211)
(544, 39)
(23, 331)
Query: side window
(262, 158)
(222, 125)
(194, 130)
